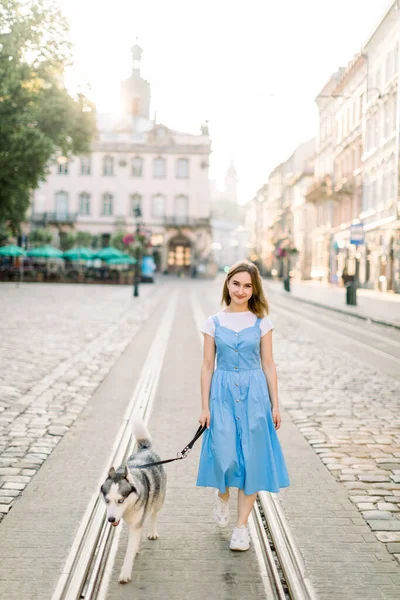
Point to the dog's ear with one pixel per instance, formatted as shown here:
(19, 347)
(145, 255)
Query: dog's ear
(127, 474)
(111, 472)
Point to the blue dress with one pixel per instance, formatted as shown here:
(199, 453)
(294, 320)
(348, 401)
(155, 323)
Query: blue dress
(241, 448)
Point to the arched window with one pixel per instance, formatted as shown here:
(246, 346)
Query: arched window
(86, 166)
(137, 167)
(181, 206)
(108, 165)
(135, 200)
(107, 204)
(84, 203)
(158, 206)
(61, 204)
(182, 168)
(159, 168)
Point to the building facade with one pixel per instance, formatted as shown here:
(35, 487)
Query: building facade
(136, 161)
(380, 254)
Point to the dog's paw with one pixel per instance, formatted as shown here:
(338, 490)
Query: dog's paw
(153, 536)
(124, 577)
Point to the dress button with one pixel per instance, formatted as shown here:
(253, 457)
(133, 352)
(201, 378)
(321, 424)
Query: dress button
(236, 368)
(236, 334)
(238, 418)
(236, 350)
(236, 384)
(237, 400)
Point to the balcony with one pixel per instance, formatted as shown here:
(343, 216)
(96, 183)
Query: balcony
(344, 187)
(320, 189)
(57, 218)
(181, 222)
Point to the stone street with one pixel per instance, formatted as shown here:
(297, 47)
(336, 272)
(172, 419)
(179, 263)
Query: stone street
(66, 347)
(57, 343)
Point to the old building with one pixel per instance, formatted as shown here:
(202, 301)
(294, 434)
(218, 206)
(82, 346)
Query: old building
(380, 254)
(350, 101)
(136, 161)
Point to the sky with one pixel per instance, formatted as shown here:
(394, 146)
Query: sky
(251, 67)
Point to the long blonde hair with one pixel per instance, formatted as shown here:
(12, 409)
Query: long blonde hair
(258, 304)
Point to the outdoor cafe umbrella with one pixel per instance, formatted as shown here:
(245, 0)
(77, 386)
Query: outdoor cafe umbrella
(108, 253)
(78, 253)
(122, 260)
(12, 250)
(45, 252)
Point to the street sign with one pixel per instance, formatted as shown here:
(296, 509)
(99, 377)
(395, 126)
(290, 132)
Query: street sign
(357, 234)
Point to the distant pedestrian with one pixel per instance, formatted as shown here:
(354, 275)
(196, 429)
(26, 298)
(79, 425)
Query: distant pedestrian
(240, 402)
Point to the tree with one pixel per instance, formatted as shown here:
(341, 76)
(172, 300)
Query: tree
(84, 238)
(38, 118)
(67, 240)
(40, 237)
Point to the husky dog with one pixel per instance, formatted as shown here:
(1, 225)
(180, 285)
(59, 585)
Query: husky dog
(131, 494)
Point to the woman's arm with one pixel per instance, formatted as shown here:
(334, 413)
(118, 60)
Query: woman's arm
(207, 370)
(269, 368)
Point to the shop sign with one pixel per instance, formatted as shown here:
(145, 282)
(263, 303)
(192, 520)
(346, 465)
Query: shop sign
(357, 234)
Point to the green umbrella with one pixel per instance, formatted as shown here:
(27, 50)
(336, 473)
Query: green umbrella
(122, 260)
(12, 250)
(45, 252)
(107, 253)
(78, 253)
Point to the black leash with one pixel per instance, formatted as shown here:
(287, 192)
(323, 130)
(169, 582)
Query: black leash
(183, 454)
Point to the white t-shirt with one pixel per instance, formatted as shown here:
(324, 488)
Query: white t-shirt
(236, 321)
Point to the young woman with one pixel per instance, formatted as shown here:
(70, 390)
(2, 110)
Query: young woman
(240, 402)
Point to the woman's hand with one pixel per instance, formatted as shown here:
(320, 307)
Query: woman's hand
(205, 417)
(276, 417)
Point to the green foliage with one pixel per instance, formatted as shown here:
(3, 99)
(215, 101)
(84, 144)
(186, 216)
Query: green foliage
(67, 240)
(83, 238)
(40, 237)
(117, 241)
(5, 234)
(38, 119)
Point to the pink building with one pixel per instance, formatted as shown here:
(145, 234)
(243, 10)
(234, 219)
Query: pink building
(135, 161)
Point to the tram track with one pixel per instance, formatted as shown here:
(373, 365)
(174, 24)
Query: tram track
(384, 347)
(88, 569)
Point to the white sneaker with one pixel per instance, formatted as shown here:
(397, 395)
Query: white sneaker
(221, 511)
(240, 539)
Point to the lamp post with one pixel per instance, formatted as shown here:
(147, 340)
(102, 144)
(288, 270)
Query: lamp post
(138, 214)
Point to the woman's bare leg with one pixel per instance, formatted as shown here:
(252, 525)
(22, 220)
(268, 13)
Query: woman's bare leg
(245, 506)
(224, 497)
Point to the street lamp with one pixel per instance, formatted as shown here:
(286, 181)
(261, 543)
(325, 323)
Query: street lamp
(137, 214)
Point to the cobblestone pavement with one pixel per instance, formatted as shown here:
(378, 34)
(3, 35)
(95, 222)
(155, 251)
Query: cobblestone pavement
(350, 416)
(57, 343)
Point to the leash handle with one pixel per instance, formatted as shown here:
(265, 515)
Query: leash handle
(181, 455)
(187, 449)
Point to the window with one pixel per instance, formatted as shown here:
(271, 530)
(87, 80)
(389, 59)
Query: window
(108, 165)
(366, 188)
(86, 165)
(361, 107)
(137, 167)
(159, 168)
(182, 168)
(107, 204)
(158, 206)
(182, 206)
(84, 204)
(135, 200)
(376, 130)
(61, 201)
(387, 119)
(394, 112)
(63, 167)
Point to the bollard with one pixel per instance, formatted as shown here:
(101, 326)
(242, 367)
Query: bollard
(351, 293)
